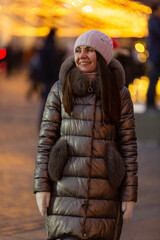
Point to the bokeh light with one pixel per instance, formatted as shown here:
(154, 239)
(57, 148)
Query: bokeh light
(2, 53)
(139, 87)
(139, 47)
(117, 18)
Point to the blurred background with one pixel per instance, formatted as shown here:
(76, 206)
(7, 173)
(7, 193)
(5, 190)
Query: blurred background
(34, 37)
(25, 24)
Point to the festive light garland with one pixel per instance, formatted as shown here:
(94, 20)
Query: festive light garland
(118, 18)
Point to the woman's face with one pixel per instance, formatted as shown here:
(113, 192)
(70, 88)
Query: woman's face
(85, 58)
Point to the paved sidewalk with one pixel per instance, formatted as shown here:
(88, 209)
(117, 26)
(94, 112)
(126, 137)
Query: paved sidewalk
(19, 216)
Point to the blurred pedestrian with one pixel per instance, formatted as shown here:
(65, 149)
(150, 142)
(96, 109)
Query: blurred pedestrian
(154, 54)
(86, 162)
(9, 59)
(133, 68)
(49, 66)
(35, 75)
(36, 78)
(124, 56)
(14, 56)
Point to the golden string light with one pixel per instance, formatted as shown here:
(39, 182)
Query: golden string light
(117, 18)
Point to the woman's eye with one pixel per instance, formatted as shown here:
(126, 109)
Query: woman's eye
(90, 50)
(77, 50)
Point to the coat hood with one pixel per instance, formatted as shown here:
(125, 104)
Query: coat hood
(115, 67)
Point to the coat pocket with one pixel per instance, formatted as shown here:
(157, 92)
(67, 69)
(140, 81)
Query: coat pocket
(114, 164)
(57, 159)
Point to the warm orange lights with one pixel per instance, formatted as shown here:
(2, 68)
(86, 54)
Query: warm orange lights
(31, 31)
(87, 9)
(117, 18)
(139, 47)
(139, 89)
(142, 52)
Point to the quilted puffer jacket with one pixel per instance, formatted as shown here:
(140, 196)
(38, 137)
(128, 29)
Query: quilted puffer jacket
(83, 203)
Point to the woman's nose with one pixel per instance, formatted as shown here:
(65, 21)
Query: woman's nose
(83, 54)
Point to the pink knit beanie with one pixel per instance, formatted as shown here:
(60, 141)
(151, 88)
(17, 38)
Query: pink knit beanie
(97, 40)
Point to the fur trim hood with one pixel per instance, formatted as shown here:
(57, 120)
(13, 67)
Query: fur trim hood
(78, 78)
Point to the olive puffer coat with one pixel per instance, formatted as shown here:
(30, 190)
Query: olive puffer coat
(83, 203)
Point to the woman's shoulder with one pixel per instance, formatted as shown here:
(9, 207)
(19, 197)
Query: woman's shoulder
(57, 86)
(125, 93)
(56, 91)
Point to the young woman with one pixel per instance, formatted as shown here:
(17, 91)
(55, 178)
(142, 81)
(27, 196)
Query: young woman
(86, 164)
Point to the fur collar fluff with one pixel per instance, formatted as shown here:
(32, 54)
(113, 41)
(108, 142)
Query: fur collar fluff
(79, 80)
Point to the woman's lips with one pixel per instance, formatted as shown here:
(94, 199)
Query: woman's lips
(83, 63)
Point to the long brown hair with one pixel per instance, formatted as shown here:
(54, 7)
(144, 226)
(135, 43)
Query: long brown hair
(110, 95)
(67, 94)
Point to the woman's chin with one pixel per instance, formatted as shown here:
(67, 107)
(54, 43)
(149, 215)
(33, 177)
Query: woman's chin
(85, 69)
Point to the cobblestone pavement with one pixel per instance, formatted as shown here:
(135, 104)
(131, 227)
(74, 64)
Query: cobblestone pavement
(19, 216)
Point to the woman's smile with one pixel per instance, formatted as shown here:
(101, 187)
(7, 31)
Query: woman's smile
(85, 58)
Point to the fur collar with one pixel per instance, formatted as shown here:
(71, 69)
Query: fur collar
(80, 82)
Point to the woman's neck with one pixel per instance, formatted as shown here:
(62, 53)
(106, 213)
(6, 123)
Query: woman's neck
(92, 75)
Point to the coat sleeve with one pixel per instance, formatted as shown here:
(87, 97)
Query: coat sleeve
(127, 143)
(49, 133)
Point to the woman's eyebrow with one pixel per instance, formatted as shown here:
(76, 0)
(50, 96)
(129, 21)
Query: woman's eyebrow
(88, 47)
